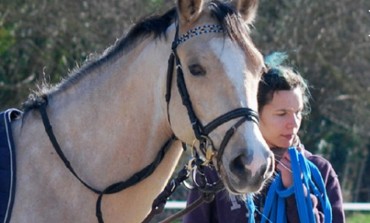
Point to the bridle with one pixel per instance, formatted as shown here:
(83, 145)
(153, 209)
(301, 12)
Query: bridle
(201, 132)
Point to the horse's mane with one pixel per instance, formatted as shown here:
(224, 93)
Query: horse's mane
(155, 27)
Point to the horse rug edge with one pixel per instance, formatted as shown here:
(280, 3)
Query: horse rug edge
(7, 164)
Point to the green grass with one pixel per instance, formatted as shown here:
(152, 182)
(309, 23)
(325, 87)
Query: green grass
(358, 217)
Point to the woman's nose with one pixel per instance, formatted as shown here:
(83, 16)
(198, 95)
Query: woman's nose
(293, 121)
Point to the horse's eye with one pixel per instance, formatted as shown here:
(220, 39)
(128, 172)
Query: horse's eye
(197, 70)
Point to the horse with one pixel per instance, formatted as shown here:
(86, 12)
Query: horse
(123, 116)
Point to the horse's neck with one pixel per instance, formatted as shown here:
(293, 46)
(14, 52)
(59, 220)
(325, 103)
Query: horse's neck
(113, 123)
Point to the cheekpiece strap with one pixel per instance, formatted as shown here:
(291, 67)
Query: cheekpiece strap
(196, 32)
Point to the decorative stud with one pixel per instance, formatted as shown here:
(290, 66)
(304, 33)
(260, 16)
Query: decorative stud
(198, 31)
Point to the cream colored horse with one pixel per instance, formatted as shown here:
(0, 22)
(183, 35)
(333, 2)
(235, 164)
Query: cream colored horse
(111, 118)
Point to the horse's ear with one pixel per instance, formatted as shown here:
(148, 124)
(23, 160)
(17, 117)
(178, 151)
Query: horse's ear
(189, 10)
(246, 8)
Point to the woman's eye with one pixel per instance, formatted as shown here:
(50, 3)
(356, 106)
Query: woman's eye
(197, 70)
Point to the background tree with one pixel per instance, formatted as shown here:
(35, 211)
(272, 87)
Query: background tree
(46, 38)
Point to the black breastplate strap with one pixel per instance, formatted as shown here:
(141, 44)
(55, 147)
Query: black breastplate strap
(114, 188)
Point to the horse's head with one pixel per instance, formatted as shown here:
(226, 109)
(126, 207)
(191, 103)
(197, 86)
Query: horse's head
(217, 70)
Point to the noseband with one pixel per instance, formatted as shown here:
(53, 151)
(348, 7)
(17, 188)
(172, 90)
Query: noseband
(202, 132)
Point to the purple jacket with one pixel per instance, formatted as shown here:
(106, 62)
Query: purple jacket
(227, 208)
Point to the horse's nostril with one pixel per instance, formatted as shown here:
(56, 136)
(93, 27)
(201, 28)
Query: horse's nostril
(250, 174)
(238, 166)
(238, 162)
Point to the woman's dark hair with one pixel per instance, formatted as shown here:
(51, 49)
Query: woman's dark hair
(282, 78)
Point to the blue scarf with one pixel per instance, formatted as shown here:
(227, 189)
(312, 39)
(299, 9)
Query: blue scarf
(275, 210)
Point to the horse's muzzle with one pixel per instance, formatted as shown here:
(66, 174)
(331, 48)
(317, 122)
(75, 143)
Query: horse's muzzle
(247, 176)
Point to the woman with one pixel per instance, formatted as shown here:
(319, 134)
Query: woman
(283, 101)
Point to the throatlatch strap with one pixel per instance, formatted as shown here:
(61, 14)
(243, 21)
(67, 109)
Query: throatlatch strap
(275, 210)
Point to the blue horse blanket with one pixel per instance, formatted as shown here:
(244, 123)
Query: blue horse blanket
(7, 164)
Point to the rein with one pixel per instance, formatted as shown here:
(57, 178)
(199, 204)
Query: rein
(114, 188)
(160, 202)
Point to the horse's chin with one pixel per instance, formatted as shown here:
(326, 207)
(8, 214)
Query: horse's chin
(238, 186)
(238, 189)
(242, 189)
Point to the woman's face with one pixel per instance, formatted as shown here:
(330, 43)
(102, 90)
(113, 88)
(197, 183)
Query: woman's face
(281, 119)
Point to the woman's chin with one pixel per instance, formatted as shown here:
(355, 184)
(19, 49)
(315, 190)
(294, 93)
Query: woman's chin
(286, 144)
